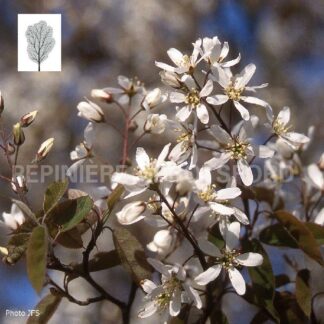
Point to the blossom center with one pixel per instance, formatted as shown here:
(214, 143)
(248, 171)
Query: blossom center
(279, 128)
(148, 172)
(193, 98)
(169, 286)
(233, 93)
(238, 149)
(185, 61)
(229, 259)
(208, 194)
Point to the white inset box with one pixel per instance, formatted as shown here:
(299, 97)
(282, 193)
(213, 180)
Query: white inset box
(39, 42)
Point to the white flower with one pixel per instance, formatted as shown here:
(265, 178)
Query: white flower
(281, 128)
(131, 213)
(186, 146)
(83, 151)
(316, 176)
(217, 200)
(228, 259)
(102, 95)
(162, 242)
(166, 299)
(149, 171)
(239, 149)
(90, 111)
(183, 63)
(13, 219)
(234, 86)
(214, 53)
(18, 184)
(193, 99)
(153, 99)
(171, 79)
(155, 123)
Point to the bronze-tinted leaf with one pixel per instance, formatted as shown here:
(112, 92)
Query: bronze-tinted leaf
(303, 292)
(302, 235)
(46, 308)
(131, 254)
(37, 257)
(318, 232)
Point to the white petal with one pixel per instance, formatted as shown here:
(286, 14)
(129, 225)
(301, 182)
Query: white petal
(263, 151)
(228, 193)
(296, 138)
(149, 309)
(240, 216)
(221, 209)
(204, 179)
(207, 89)
(175, 55)
(148, 286)
(224, 51)
(237, 281)
(163, 155)
(202, 113)
(175, 303)
(189, 81)
(89, 134)
(165, 66)
(209, 248)
(245, 76)
(217, 100)
(142, 159)
(231, 62)
(126, 179)
(159, 266)
(245, 172)
(216, 163)
(250, 259)
(177, 97)
(232, 234)
(220, 134)
(316, 176)
(284, 116)
(183, 113)
(242, 110)
(255, 101)
(209, 275)
(194, 296)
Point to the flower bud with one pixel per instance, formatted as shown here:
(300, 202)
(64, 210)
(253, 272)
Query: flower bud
(18, 134)
(131, 213)
(90, 111)
(153, 98)
(27, 119)
(102, 95)
(44, 149)
(155, 124)
(4, 251)
(18, 184)
(1, 103)
(161, 243)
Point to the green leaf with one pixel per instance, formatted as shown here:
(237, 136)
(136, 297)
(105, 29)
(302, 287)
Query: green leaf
(16, 247)
(263, 281)
(37, 257)
(318, 232)
(115, 196)
(53, 194)
(70, 213)
(131, 254)
(46, 308)
(277, 235)
(303, 292)
(302, 235)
